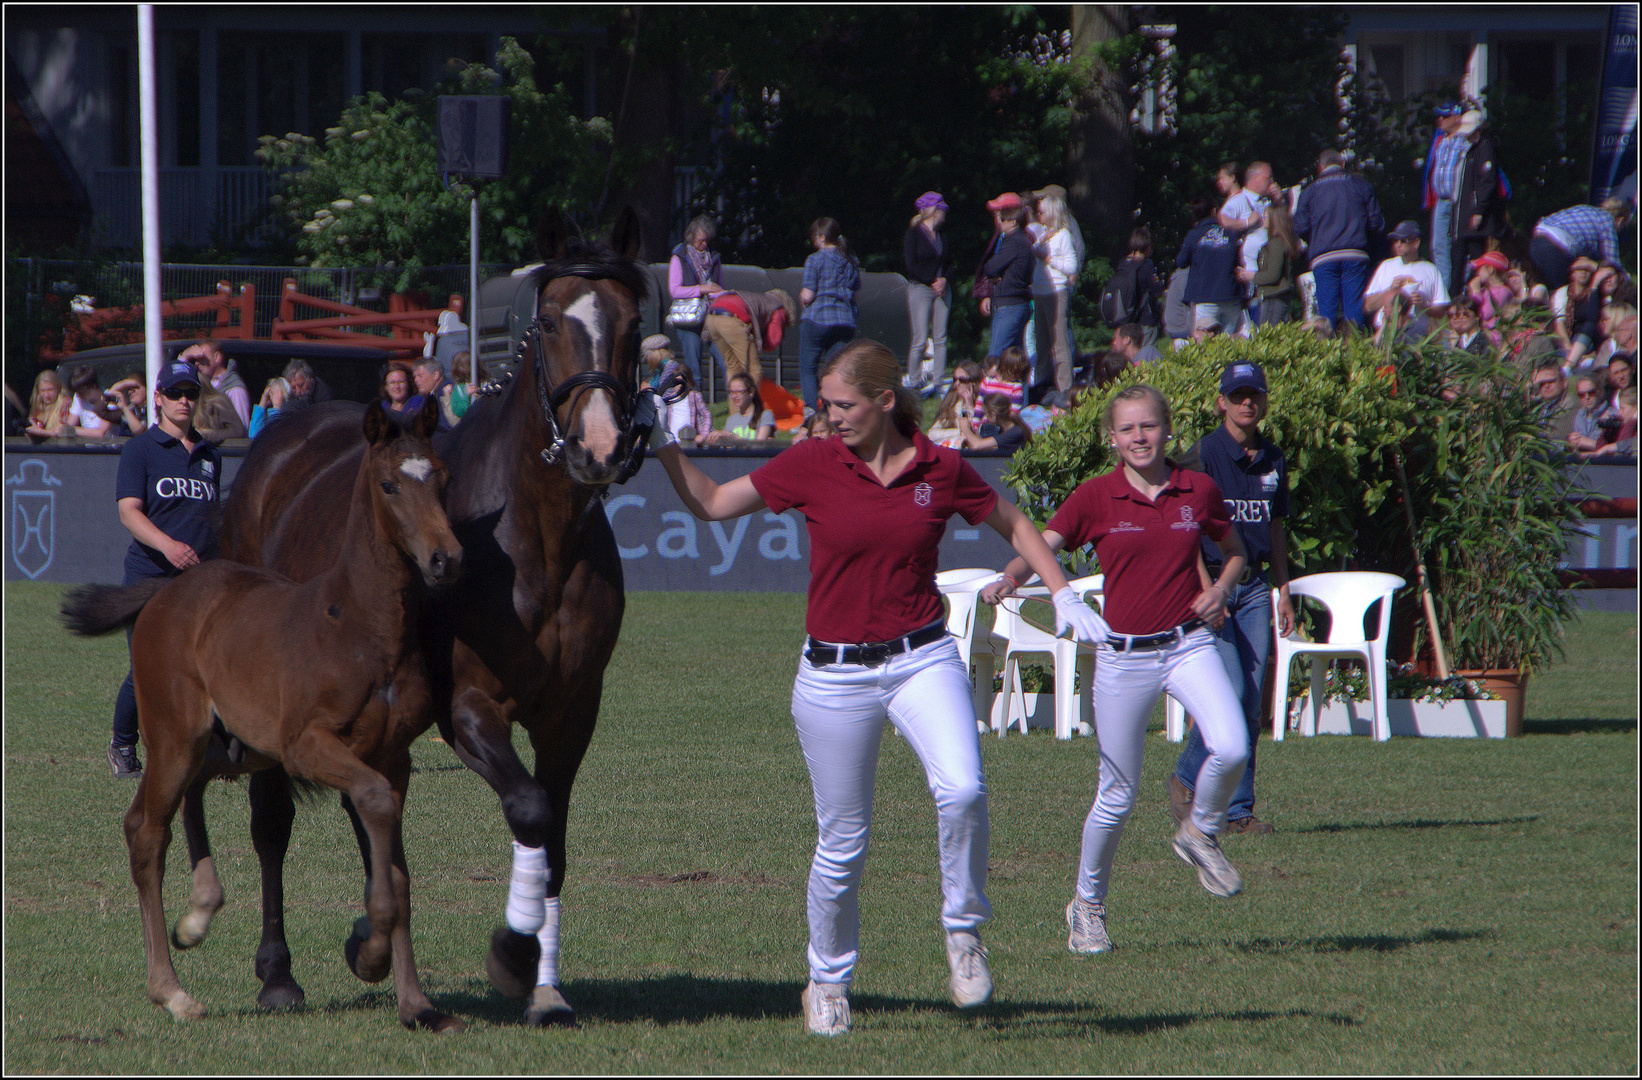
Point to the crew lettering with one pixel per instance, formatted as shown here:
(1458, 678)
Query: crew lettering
(182, 487)
(1249, 511)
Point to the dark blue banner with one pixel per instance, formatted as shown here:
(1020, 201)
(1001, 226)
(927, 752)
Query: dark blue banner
(1613, 157)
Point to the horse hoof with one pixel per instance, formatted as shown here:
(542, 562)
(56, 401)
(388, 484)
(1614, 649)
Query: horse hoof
(372, 972)
(435, 1021)
(511, 962)
(183, 1007)
(190, 930)
(282, 995)
(548, 1008)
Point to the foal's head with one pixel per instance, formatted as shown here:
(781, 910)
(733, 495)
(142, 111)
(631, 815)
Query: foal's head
(407, 491)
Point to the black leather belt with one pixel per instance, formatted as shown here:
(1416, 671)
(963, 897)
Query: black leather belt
(872, 654)
(1251, 570)
(1135, 642)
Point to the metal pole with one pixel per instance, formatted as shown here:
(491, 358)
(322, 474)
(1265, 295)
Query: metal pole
(153, 331)
(472, 311)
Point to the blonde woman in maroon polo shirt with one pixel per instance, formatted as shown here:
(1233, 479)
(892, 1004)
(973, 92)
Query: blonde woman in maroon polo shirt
(876, 497)
(1145, 518)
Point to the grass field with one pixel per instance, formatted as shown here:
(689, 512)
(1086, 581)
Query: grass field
(1425, 905)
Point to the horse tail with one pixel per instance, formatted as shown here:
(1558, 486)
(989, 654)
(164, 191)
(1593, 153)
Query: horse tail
(100, 609)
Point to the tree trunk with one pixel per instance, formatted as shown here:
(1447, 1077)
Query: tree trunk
(1100, 160)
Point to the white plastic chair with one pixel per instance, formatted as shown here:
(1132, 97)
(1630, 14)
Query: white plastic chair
(962, 591)
(1347, 596)
(1069, 658)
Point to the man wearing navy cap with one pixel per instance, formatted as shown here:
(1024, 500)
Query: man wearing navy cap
(167, 489)
(1252, 476)
(1443, 163)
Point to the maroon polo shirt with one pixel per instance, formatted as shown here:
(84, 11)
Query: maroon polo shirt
(873, 549)
(1147, 550)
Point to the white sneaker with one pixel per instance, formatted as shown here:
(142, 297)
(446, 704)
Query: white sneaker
(826, 1008)
(1214, 873)
(971, 979)
(1086, 927)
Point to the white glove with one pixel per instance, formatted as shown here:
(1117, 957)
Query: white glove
(1084, 621)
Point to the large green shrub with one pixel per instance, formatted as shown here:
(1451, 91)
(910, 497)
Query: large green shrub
(1331, 412)
(1490, 492)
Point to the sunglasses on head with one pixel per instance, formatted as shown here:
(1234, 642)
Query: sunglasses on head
(177, 393)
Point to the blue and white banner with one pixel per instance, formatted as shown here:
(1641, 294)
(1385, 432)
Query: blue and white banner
(1613, 157)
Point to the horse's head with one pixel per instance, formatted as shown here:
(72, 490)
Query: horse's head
(584, 346)
(406, 484)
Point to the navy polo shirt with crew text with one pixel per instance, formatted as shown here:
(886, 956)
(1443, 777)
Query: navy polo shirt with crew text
(1256, 489)
(179, 493)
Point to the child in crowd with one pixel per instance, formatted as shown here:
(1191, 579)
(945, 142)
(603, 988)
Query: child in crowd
(1624, 444)
(1008, 377)
(47, 407)
(688, 418)
(454, 398)
(1487, 286)
(999, 429)
(815, 426)
(962, 399)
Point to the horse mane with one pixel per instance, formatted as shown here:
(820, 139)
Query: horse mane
(580, 254)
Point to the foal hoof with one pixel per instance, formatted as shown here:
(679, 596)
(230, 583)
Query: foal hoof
(371, 971)
(183, 1007)
(433, 1020)
(548, 1008)
(511, 962)
(282, 994)
(190, 930)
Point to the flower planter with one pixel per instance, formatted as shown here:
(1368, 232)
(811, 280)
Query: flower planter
(1439, 719)
(1507, 687)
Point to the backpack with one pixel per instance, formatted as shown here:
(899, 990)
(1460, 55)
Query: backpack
(1118, 303)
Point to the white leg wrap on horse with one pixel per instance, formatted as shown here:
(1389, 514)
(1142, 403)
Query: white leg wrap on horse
(547, 969)
(527, 889)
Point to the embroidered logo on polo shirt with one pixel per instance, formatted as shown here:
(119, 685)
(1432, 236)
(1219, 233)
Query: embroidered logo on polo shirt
(208, 467)
(1268, 481)
(922, 494)
(1185, 521)
(1128, 526)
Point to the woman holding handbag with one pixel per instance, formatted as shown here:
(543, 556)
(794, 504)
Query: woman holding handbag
(692, 281)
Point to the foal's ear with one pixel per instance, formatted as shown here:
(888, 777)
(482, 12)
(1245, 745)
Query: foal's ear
(628, 235)
(427, 420)
(379, 427)
(553, 233)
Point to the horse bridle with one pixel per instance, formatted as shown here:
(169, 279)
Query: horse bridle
(636, 415)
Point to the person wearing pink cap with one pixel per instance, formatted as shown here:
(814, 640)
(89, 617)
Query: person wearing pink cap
(1487, 285)
(929, 293)
(1009, 269)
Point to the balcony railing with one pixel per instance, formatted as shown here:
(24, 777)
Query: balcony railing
(197, 206)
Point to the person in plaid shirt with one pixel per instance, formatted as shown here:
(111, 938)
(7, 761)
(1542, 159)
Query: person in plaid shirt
(831, 278)
(1564, 236)
(1442, 181)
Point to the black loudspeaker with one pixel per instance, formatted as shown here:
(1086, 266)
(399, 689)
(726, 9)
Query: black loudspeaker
(473, 136)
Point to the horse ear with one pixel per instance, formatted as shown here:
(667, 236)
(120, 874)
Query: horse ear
(628, 235)
(427, 421)
(376, 423)
(553, 233)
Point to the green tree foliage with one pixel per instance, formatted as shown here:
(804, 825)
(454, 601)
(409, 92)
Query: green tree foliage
(368, 192)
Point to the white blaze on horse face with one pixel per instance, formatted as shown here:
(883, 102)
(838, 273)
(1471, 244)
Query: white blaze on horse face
(600, 428)
(417, 467)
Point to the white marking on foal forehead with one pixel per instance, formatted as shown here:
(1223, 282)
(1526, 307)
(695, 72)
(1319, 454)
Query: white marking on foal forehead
(586, 311)
(419, 467)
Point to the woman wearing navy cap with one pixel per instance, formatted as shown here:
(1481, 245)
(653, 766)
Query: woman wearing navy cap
(1252, 475)
(1145, 518)
(166, 487)
(876, 497)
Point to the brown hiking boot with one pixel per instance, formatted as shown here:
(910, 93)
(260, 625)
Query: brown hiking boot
(1250, 824)
(1180, 800)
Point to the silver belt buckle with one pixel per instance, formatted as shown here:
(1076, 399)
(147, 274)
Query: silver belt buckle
(875, 654)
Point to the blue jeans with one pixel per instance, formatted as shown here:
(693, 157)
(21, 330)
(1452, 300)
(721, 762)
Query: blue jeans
(1340, 286)
(815, 345)
(689, 351)
(1442, 236)
(1008, 327)
(1244, 645)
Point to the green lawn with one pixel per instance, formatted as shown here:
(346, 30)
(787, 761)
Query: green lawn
(1425, 905)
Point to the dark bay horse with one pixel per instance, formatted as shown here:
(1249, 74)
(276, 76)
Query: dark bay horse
(325, 680)
(532, 624)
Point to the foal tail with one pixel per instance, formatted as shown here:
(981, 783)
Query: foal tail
(100, 609)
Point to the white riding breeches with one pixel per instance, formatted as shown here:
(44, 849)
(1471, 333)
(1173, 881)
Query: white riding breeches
(839, 711)
(1126, 688)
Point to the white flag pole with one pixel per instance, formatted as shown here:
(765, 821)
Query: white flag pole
(152, 326)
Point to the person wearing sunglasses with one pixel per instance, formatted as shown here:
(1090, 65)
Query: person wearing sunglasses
(1590, 390)
(167, 492)
(1548, 389)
